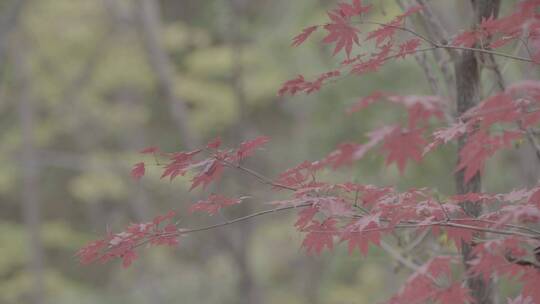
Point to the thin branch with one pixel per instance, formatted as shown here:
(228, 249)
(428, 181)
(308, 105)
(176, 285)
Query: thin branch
(446, 46)
(451, 47)
(402, 28)
(180, 231)
(261, 178)
(407, 263)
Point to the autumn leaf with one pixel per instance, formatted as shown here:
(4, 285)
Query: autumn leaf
(138, 171)
(211, 171)
(408, 47)
(248, 147)
(360, 233)
(341, 33)
(300, 38)
(320, 236)
(214, 143)
(213, 204)
(402, 145)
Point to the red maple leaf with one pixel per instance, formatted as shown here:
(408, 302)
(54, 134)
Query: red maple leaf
(341, 33)
(498, 108)
(445, 135)
(214, 143)
(402, 145)
(128, 257)
(138, 171)
(305, 216)
(420, 107)
(342, 156)
(353, 9)
(408, 47)
(360, 233)
(212, 171)
(467, 38)
(479, 147)
(293, 86)
(179, 165)
(320, 235)
(248, 147)
(459, 235)
(300, 38)
(213, 204)
(161, 218)
(386, 32)
(365, 102)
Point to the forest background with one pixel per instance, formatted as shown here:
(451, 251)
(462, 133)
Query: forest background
(86, 84)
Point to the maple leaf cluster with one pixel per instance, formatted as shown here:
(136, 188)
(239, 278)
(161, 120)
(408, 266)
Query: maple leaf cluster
(123, 244)
(362, 215)
(521, 25)
(342, 31)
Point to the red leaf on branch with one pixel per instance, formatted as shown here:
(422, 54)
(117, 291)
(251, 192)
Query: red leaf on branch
(445, 135)
(459, 235)
(341, 33)
(248, 147)
(161, 218)
(320, 235)
(342, 156)
(213, 204)
(408, 47)
(353, 9)
(300, 38)
(467, 38)
(402, 145)
(386, 32)
(212, 171)
(138, 171)
(420, 286)
(479, 147)
(365, 102)
(214, 143)
(305, 216)
(179, 165)
(128, 257)
(360, 233)
(419, 107)
(293, 86)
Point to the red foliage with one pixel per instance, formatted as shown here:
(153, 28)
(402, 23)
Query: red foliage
(402, 145)
(341, 33)
(300, 38)
(138, 171)
(320, 235)
(213, 204)
(358, 214)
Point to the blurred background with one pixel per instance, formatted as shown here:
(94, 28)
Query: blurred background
(86, 84)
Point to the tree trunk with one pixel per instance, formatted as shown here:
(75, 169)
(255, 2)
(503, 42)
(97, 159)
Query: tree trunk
(149, 22)
(467, 73)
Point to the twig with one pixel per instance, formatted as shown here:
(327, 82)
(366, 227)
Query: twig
(407, 263)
